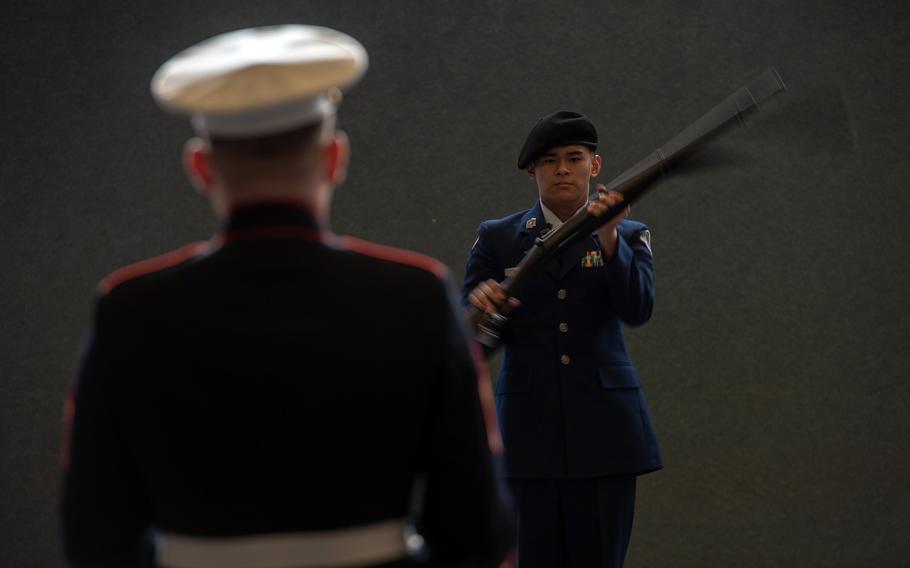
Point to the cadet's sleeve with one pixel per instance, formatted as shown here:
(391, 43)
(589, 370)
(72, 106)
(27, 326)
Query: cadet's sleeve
(481, 265)
(104, 509)
(464, 518)
(631, 276)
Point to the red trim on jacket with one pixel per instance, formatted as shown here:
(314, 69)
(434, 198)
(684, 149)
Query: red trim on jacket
(367, 248)
(484, 384)
(150, 265)
(485, 391)
(400, 256)
(69, 415)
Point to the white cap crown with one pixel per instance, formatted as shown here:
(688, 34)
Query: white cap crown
(259, 81)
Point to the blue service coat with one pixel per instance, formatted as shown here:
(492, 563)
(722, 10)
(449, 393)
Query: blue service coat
(569, 401)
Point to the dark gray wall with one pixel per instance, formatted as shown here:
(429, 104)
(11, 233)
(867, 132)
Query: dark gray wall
(774, 363)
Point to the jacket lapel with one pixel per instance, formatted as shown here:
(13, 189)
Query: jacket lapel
(531, 225)
(532, 221)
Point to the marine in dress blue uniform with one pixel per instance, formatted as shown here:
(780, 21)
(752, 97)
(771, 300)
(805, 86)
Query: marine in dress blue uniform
(576, 428)
(274, 396)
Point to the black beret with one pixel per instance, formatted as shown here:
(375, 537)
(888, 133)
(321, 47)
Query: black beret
(562, 128)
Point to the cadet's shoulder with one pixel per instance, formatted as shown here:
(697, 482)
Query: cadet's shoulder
(508, 222)
(628, 227)
(635, 233)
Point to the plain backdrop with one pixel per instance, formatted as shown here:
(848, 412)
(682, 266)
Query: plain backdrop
(775, 363)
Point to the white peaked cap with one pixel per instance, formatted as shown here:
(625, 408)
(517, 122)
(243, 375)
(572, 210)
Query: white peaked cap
(260, 81)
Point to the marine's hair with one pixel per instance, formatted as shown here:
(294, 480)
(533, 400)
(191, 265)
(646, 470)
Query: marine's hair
(271, 147)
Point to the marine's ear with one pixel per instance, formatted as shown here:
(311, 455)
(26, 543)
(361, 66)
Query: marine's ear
(197, 162)
(337, 156)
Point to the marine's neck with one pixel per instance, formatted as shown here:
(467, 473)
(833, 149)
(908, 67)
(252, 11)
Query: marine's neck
(314, 198)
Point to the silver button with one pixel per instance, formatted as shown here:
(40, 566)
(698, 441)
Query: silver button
(563, 327)
(565, 360)
(561, 294)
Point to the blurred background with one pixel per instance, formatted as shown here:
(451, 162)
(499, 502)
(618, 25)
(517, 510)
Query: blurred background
(774, 363)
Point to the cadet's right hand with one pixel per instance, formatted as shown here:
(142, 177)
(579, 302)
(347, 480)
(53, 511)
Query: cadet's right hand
(489, 296)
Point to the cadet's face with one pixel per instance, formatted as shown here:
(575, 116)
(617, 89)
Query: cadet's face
(563, 176)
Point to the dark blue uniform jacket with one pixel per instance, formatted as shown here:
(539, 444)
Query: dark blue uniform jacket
(569, 401)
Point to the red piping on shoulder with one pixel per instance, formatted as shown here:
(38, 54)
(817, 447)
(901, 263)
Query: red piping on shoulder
(400, 256)
(353, 244)
(154, 264)
(69, 414)
(484, 384)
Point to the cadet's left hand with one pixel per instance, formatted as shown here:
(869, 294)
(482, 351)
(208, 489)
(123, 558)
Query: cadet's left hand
(597, 207)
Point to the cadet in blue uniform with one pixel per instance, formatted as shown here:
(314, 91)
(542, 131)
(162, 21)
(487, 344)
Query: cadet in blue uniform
(575, 425)
(279, 395)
